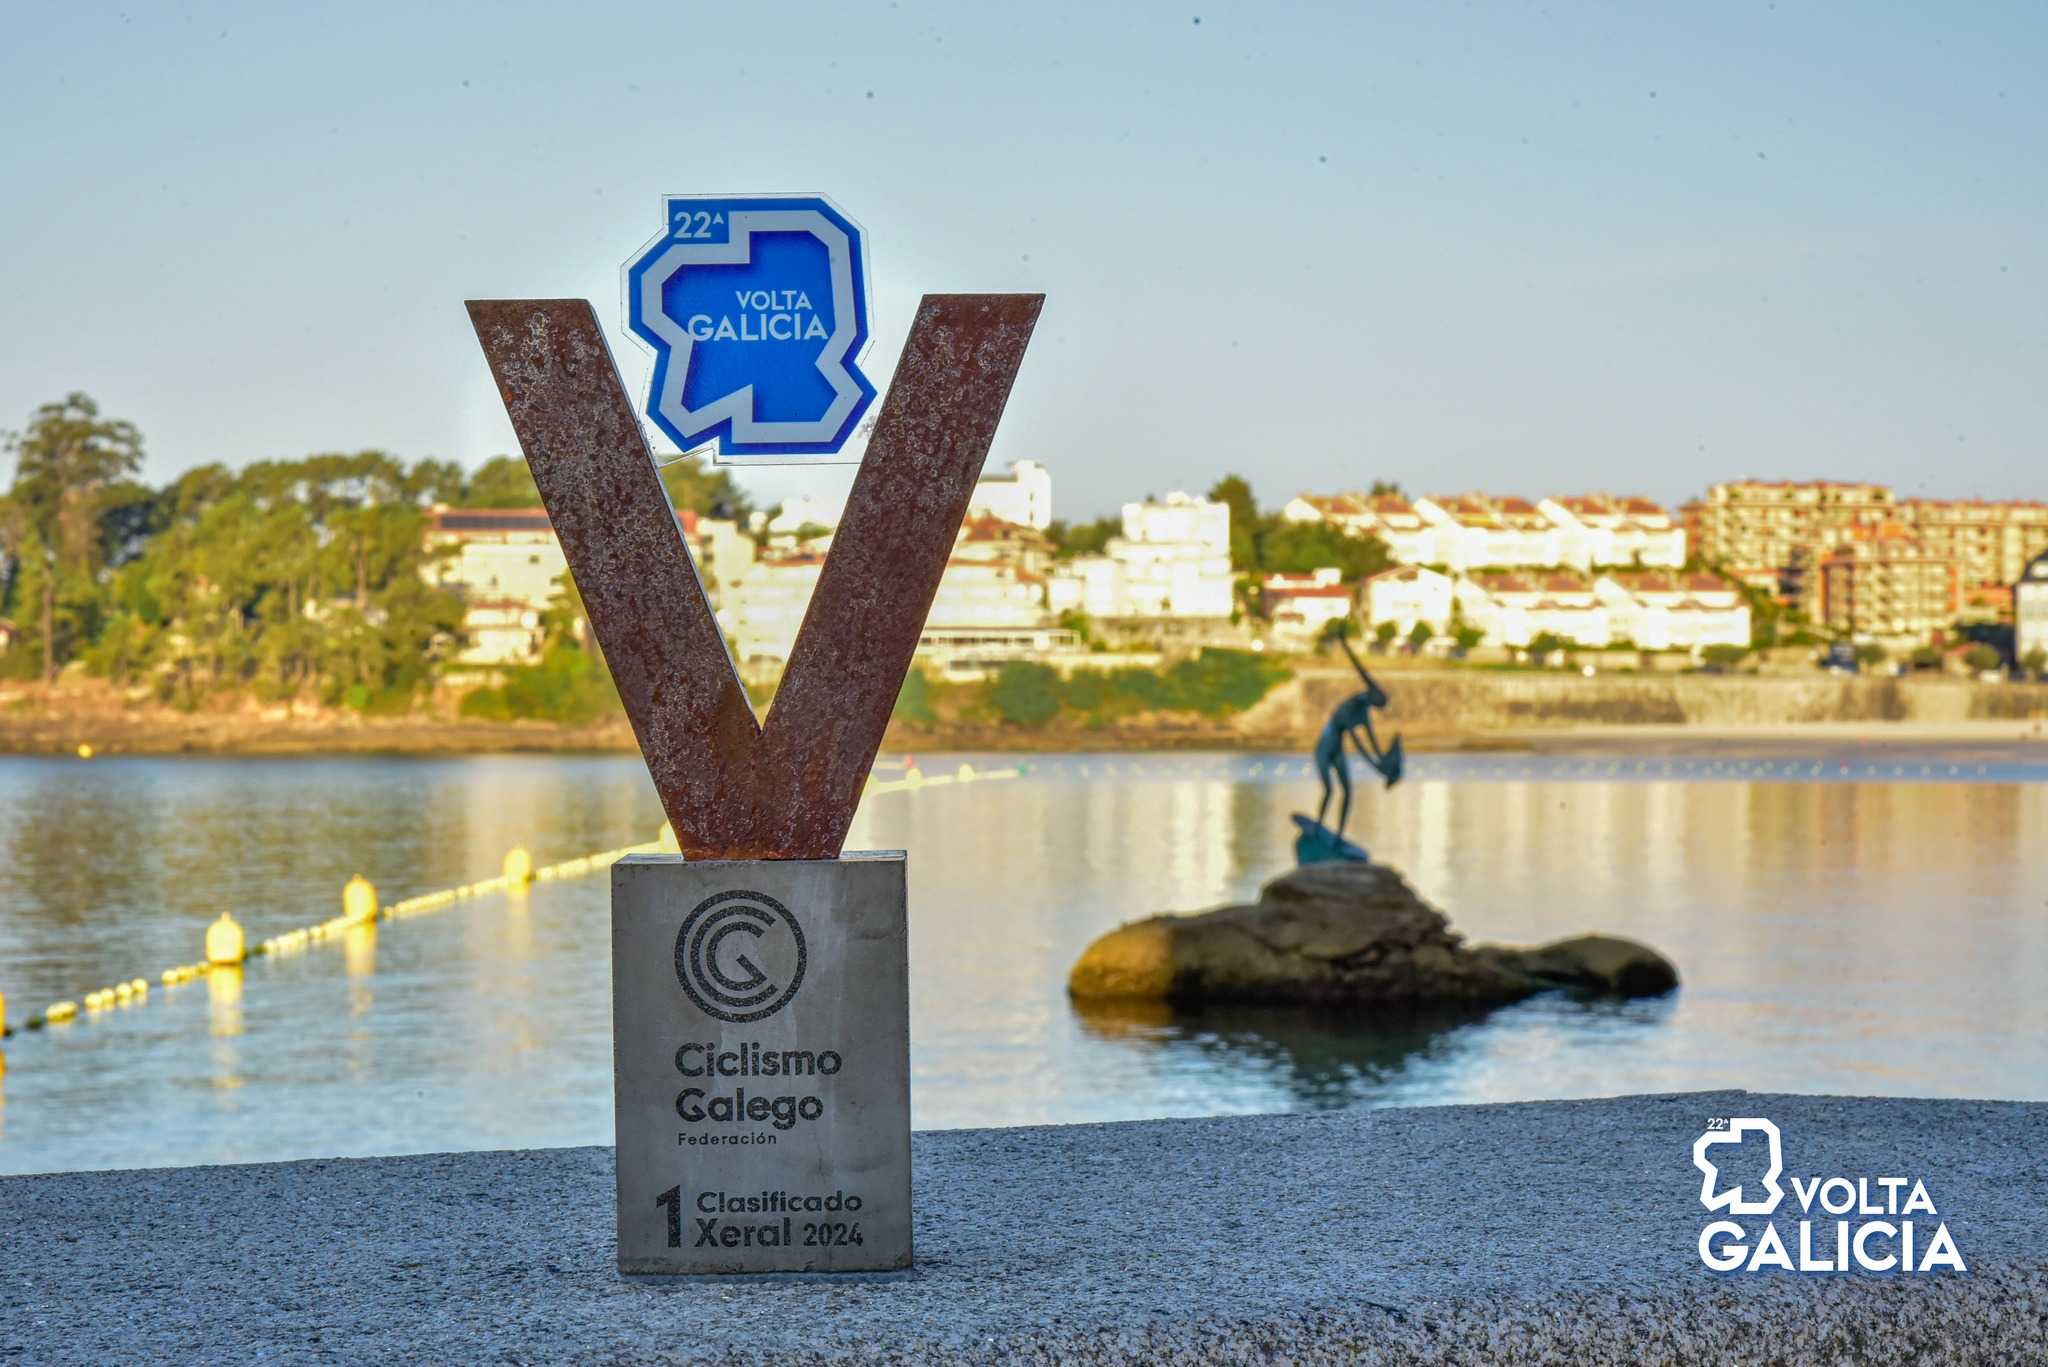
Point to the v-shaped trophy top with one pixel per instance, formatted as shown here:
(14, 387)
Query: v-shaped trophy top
(734, 788)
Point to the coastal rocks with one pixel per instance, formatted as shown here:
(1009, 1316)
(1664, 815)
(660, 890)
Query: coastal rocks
(1345, 934)
(1604, 965)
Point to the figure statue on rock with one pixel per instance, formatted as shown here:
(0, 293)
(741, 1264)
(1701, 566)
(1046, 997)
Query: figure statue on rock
(1317, 843)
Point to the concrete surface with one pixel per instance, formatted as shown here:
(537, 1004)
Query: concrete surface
(1557, 1232)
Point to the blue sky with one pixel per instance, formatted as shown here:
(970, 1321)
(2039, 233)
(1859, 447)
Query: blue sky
(1520, 248)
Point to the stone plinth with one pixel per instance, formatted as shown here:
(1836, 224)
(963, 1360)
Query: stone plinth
(761, 1045)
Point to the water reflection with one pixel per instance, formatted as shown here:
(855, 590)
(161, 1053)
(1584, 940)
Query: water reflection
(1833, 935)
(224, 1001)
(1321, 1060)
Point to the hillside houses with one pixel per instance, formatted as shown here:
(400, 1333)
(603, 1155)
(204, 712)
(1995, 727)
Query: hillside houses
(1462, 532)
(1646, 609)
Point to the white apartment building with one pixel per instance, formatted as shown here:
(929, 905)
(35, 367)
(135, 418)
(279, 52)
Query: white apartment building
(1022, 497)
(806, 513)
(990, 604)
(988, 594)
(1599, 529)
(495, 555)
(1407, 595)
(1475, 532)
(1464, 532)
(1409, 538)
(763, 612)
(1300, 605)
(508, 565)
(1514, 607)
(1664, 611)
(1172, 562)
(1649, 609)
(2030, 609)
(500, 633)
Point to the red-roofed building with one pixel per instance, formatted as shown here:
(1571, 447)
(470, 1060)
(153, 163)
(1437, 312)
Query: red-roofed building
(1300, 605)
(1389, 517)
(508, 566)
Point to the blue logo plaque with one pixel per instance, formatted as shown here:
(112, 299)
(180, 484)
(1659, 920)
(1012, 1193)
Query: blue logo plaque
(755, 307)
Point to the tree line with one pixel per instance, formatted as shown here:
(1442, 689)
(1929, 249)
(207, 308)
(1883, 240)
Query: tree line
(287, 579)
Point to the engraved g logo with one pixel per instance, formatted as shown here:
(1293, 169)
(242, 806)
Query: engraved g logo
(722, 946)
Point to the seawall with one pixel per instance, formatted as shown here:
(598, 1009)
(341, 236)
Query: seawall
(1447, 702)
(1545, 1232)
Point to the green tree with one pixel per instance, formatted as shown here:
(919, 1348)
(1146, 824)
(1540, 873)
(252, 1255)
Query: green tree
(1235, 492)
(1418, 636)
(914, 700)
(71, 471)
(1546, 644)
(501, 482)
(2036, 662)
(1335, 630)
(1070, 539)
(705, 490)
(1982, 658)
(1721, 657)
(1869, 654)
(1025, 693)
(1385, 633)
(1298, 547)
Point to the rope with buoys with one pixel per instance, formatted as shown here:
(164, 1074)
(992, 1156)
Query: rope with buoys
(226, 945)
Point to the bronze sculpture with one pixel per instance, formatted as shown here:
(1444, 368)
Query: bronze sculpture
(1317, 842)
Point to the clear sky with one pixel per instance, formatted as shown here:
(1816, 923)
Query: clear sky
(1520, 248)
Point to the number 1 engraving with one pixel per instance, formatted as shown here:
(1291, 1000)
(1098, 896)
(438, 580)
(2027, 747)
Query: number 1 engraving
(673, 1199)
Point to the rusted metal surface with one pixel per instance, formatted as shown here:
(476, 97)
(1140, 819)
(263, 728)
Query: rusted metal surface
(732, 787)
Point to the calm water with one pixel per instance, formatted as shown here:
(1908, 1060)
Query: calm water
(1841, 928)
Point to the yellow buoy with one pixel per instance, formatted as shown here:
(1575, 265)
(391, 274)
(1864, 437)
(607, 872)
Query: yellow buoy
(61, 1011)
(3, 1008)
(84, 751)
(141, 986)
(170, 977)
(358, 900)
(124, 992)
(224, 943)
(518, 868)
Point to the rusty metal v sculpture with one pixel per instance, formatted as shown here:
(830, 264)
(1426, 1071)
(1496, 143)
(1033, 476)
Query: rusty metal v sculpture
(733, 786)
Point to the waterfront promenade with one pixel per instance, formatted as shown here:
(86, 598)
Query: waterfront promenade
(1549, 1231)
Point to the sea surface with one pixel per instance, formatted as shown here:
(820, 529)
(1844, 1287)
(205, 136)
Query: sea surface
(1842, 926)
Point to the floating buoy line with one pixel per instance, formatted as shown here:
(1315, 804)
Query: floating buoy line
(226, 945)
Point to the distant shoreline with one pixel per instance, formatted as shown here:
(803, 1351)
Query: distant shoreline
(170, 734)
(1433, 710)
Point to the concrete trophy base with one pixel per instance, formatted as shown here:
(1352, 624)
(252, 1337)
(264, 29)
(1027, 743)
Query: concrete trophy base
(761, 1046)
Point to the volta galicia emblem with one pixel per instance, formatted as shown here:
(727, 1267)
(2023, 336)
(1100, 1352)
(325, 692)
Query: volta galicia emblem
(722, 946)
(755, 307)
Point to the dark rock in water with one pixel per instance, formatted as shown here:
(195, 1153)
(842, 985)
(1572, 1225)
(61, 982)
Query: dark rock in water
(1605, 965)
(1349, 933)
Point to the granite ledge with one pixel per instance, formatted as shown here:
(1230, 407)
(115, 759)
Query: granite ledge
(1550, 1231)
